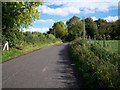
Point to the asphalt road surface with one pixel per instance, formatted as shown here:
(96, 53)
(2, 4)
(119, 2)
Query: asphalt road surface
(49, 67)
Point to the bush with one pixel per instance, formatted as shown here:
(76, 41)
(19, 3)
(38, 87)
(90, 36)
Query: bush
(98, 67)
(28, 37)
(108, 75)
(14, 37)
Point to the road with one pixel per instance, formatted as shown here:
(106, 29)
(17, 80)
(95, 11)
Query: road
(49, 67)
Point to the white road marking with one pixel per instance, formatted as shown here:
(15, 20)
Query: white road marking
(44, 69)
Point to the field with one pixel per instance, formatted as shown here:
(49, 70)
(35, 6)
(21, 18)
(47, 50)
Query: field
(110, 45)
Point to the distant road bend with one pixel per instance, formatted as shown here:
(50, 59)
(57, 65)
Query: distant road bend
(46, 68)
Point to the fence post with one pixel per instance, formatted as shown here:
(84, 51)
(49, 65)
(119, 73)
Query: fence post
(104, 44)
(6, 46)
(119, 47)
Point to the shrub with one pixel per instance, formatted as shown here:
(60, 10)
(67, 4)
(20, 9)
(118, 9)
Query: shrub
(98, 67)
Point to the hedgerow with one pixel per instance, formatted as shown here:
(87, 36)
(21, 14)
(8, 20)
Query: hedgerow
(98, 67)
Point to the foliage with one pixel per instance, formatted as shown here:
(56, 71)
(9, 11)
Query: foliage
(15, 16)
(19, 14)
(109, 29)
(29, 37)
(98, 67)
(30, 42)
(59, 30)
(75, 28)
(90, 27)
(14, 37)
(51, 37)
(115, 30)
(99, 29)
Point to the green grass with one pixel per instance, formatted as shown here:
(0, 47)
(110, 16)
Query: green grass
(110, 45)
(7, 55)
(113, 45)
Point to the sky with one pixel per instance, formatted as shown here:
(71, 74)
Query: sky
(62, 10)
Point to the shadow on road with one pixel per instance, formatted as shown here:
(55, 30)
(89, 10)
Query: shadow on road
(66, 70)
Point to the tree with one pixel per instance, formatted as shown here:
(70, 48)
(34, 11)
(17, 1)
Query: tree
(17, 15)
(102, 27)
(115, 30)
(75, 28)
(59, 30)
(118, 28)
(90, 27)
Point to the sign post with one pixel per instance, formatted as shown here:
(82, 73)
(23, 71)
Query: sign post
(6, 46)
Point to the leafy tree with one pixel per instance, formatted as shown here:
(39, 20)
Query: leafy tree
(39, 37)
(111, 30)
(118, 28)
(59, 30)
(51, 31)
(17, 15)
(115, 30)
(90, 27)
(75, 28)
(102, 27)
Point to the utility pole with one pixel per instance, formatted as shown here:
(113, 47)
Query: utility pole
(84, 31)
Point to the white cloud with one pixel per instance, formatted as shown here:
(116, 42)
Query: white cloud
(42, 30)
(108, 18)
(111, 18)
(55, 2)
(46, 21)
(61, 2)
(59, 11)
(32, 29)
(93, 5)
(94, 18)
(76, 6)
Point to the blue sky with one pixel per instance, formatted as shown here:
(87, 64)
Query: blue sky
(62, 10)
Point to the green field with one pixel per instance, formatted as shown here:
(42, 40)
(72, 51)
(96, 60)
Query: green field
(110, 45)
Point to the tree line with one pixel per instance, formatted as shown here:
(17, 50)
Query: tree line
(19, 15)
(74, 28)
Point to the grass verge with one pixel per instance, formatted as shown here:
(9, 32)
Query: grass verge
(13, 52)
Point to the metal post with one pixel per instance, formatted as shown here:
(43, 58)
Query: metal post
(6, 46)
